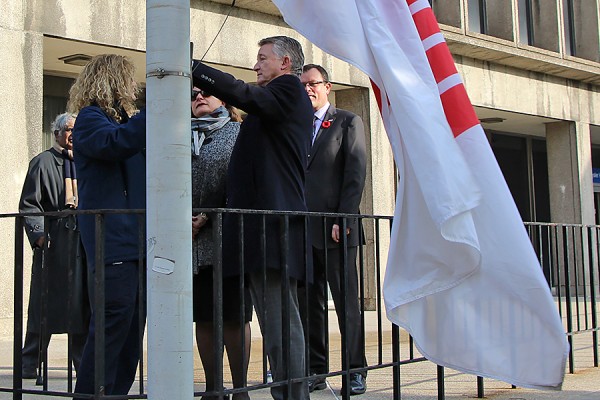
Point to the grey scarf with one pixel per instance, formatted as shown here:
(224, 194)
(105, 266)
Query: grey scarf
(204, 126)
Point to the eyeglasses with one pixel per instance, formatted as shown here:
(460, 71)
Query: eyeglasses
(201, 92)
(68, 129)
(313, 84)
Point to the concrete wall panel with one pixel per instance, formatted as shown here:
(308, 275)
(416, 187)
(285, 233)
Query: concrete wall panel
(12, 15)
(117, 23)
(236, 45)
(507, 88)
(21, 121)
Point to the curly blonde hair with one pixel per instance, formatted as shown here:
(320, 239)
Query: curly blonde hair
(107, 81)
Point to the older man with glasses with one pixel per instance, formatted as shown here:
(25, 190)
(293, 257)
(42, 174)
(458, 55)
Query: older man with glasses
(51, 185)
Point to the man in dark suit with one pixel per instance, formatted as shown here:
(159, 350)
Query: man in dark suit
(266, 172)
(334, 184)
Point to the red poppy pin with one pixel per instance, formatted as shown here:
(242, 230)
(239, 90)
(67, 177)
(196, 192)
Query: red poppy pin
(326, 124)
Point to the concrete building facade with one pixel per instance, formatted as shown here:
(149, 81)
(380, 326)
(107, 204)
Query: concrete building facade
(531, 68)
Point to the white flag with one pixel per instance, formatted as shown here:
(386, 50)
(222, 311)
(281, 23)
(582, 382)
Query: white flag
(462, 277)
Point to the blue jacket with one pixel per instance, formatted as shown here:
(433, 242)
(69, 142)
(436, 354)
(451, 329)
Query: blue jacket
(111, 174)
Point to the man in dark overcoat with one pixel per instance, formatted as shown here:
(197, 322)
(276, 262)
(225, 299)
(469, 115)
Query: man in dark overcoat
(335, 180)
(58, 297)
(266, 172)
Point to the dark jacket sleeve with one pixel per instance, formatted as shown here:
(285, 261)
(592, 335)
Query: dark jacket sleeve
(355, 161)
(97, 136)
(31, 200)
(269, 102)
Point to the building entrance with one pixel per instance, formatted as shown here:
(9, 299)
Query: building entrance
(524, 164)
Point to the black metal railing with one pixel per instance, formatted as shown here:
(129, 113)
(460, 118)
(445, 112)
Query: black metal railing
(568, 254)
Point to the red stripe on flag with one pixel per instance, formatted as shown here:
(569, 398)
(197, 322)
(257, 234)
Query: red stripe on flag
(458, 109)
(377, 94)
(441, 62)
(457, 106)
(426, 23)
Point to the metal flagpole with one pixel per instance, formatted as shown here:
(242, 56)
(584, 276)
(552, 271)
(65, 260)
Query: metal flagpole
(169, 207)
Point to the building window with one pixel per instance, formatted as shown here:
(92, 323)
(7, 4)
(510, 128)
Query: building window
(447, 12)
(477, 16)
(525, 22)
(568, 18)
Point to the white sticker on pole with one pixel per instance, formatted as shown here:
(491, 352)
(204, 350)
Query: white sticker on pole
(163, 266)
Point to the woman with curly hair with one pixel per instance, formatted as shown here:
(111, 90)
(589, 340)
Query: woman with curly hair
(109, 139)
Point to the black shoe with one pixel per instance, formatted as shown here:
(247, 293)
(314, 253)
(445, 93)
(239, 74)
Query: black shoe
(316, 384)
(358, 384)
(224, 397)
(29, 373)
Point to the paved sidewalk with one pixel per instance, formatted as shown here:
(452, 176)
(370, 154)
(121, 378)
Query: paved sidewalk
(418, 379)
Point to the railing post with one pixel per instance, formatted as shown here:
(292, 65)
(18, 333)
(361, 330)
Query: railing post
(379, 294)
(592, 245)
(263, 290)
(396, 361)
(141, 294)
(18, 311)
(42, 364)
(285, 300)
(217, 279)
(566, 249)
(441, 383)
(71, 265)
(99, 302)
(343, 243)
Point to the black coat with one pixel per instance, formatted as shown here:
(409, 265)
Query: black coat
(267, 167)
(336, 175)
(67, 306)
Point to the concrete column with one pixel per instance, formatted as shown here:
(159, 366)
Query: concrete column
(21, 83)
(571, 192)
(570, 172)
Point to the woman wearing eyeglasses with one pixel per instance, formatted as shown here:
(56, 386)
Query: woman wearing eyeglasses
(215, 127)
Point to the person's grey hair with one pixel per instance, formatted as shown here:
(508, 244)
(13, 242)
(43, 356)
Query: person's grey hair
(60, 122)
(286, 46)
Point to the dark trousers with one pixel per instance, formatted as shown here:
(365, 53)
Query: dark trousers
(317, 309)
(270, 303)
(122, 333)
(32, 349)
